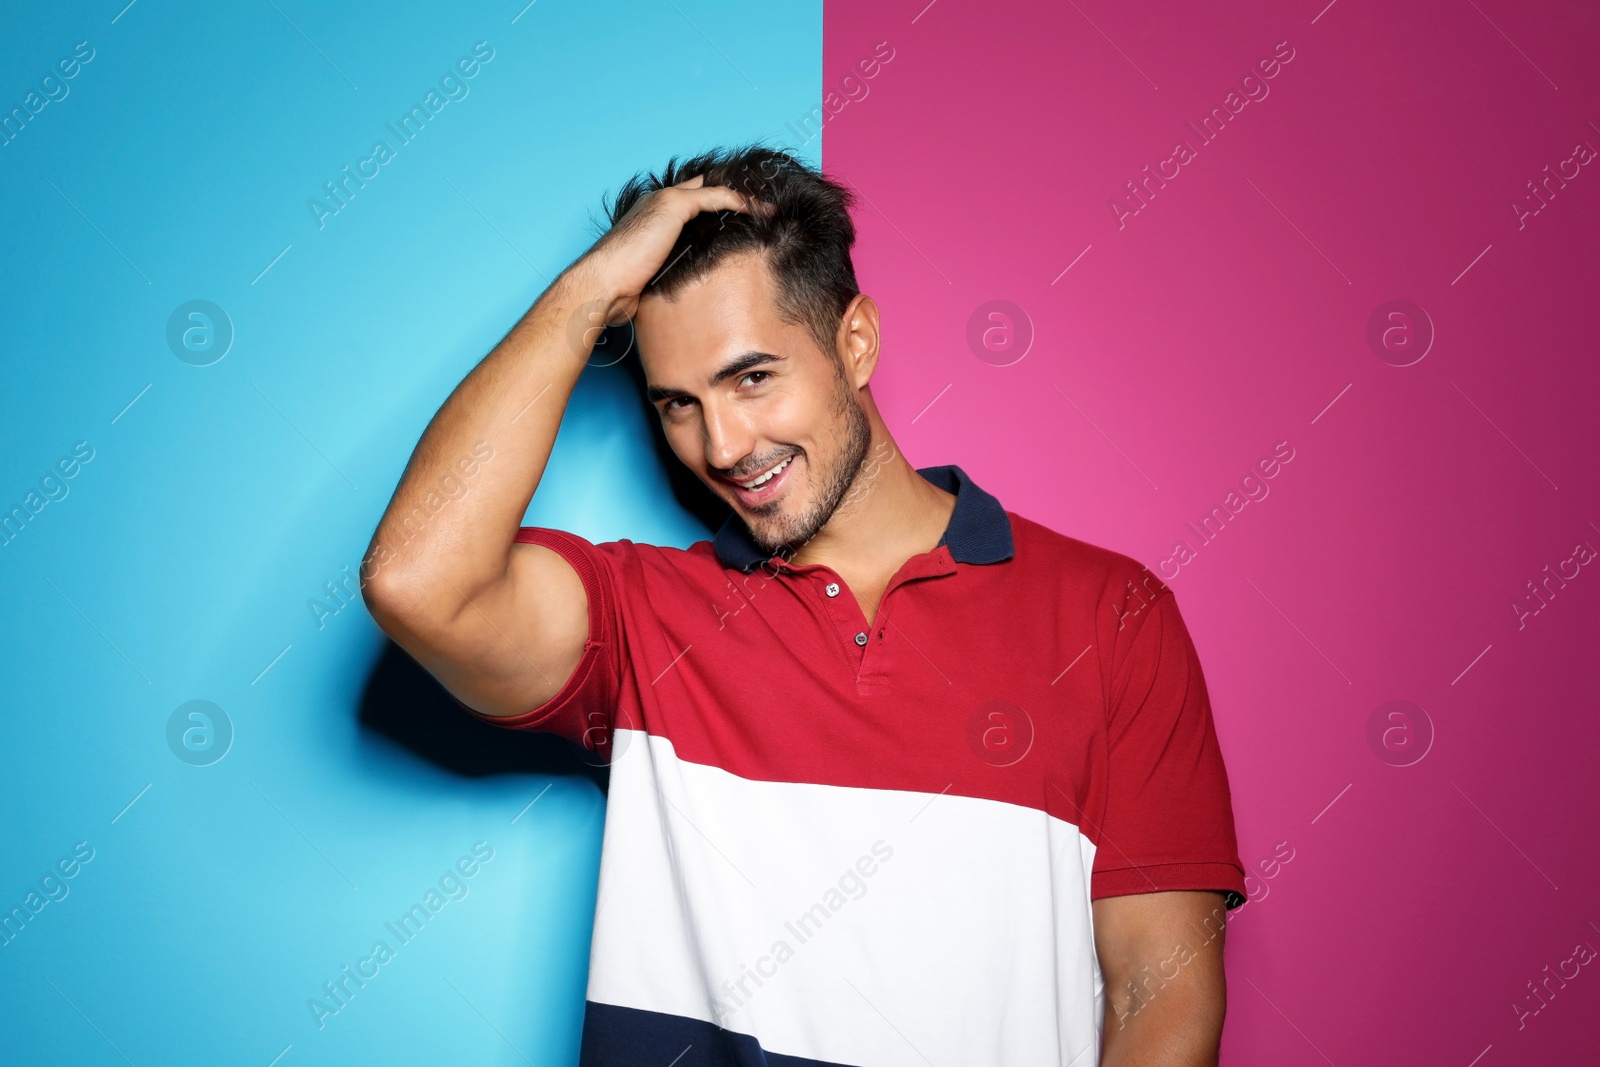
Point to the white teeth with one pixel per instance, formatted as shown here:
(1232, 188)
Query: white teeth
(765, 478)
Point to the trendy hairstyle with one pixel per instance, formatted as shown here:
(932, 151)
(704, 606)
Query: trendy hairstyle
(806, 238)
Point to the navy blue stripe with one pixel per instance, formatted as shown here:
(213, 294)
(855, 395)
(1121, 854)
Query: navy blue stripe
(979, 530)
(628, 1037)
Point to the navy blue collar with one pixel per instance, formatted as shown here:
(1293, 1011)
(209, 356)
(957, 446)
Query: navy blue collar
(979, 530)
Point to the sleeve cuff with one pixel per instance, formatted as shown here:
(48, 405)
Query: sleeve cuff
(1224, 878)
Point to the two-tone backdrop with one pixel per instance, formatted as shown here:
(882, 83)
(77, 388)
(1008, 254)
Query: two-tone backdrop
(1290, 302)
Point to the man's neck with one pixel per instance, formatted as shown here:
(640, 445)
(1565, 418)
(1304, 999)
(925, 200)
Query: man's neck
(889, 514)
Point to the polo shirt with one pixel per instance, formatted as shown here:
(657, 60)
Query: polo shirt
(830, 840)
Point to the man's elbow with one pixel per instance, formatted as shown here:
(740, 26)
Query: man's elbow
(395, 600)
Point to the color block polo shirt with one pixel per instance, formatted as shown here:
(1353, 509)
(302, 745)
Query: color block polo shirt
(830, 840)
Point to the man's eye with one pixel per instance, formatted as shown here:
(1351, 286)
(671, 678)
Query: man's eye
(764, 375)
(668, 406)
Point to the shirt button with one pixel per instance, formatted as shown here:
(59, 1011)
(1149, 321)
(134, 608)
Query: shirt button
(832, 589)
(861, 639)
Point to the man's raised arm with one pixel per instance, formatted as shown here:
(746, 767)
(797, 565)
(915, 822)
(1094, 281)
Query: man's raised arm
(502, 625)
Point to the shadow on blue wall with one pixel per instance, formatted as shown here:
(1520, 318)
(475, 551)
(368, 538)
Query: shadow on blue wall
(404, 703)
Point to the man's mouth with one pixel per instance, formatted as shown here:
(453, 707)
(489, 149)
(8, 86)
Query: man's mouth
(765, 485)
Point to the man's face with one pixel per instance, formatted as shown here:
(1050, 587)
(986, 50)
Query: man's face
(741, 393)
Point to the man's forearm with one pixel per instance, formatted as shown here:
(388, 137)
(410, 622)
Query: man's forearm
(509, 407)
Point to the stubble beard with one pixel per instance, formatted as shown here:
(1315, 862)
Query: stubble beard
(792, 534)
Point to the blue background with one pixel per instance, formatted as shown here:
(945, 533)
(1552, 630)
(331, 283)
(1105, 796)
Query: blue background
(180, 563)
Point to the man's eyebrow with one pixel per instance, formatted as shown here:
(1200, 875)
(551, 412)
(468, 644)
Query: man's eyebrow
(737, 365)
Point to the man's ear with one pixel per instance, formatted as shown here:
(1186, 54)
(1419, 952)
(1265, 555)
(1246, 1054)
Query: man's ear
(857, 341)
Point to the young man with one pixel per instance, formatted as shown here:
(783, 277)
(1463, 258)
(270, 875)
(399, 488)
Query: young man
(897, 776)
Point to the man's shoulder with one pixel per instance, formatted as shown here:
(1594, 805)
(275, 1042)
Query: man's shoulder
(696, 563)
(1114, 582)
(696, 558)
(1037, 545)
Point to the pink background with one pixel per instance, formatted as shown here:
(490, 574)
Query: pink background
(1229, 314)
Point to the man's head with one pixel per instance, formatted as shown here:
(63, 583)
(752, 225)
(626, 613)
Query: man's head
(756, 345)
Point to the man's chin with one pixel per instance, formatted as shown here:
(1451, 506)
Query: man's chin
(764, 541)
(772, 538)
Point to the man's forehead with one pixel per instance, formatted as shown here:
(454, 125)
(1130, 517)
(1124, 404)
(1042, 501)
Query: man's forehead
(713, 319)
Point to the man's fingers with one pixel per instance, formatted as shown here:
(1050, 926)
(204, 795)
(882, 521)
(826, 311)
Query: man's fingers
(632, 253)
(713, 198)
(716, 198)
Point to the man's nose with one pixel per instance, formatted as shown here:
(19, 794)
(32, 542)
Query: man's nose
(728, 437)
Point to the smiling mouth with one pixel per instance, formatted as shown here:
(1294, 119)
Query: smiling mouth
(770, 473)
(754, 490)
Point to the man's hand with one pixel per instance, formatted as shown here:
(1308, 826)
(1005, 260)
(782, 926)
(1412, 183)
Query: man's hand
(1161, 958)
(627, 258)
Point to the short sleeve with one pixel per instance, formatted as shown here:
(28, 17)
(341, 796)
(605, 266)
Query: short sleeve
(1168, 821)
(584, 710)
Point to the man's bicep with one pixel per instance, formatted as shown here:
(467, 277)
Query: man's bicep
(1163, 947)
(505, 647)
(1150, 928)
(527, 634)
(541, 652)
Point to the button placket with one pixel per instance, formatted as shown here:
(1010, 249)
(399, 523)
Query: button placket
(851, 623)
(849, 619)
(931, 565)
